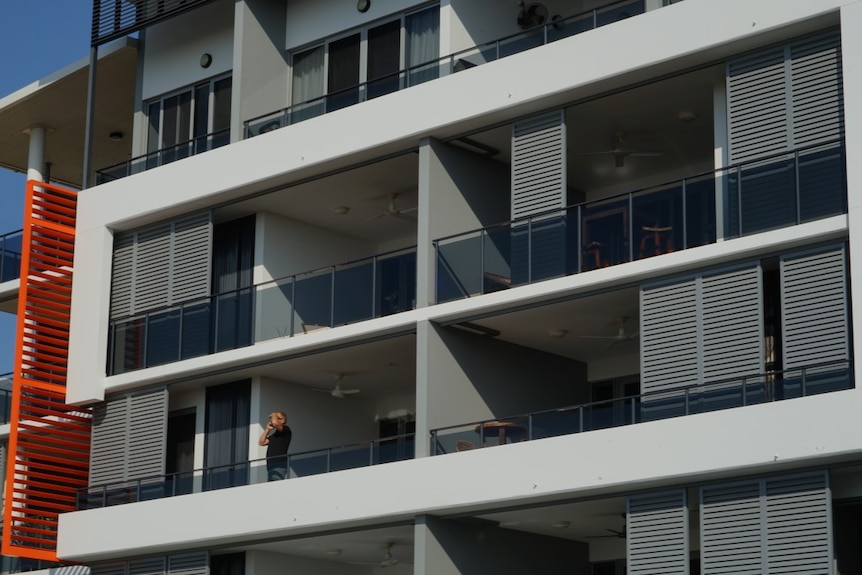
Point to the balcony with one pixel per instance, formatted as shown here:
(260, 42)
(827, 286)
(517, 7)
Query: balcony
(163, 156)
(633, 409)
(557, 29)
(304, 464)
(780, 191)
(10, 255)
(341, 294)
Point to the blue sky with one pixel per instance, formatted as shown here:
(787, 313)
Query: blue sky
(37, 37)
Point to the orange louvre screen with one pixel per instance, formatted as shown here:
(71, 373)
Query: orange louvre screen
(49, 441)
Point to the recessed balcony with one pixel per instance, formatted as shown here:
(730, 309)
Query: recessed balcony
(779, 191)
(10, 255)
(340, 294)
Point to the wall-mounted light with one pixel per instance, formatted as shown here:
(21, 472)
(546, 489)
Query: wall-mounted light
(363, 5)
(206, 60)
(116, 136)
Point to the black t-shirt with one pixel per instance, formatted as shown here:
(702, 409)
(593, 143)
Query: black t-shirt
(279, 441)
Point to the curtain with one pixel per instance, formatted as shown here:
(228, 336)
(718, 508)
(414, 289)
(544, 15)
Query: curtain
(227, 428)
(423, 44)
(307, 75)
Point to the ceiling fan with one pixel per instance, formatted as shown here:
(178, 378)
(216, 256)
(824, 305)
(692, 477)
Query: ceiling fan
(621, 151)
(337, 391)
(621, 336)
(392, 211)
(532, 15)
(388, 558)
(616, 533)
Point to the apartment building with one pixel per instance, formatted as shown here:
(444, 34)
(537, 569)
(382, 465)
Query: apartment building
(557, 287)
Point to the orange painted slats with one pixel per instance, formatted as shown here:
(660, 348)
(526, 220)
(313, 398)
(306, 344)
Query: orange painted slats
(48, 440)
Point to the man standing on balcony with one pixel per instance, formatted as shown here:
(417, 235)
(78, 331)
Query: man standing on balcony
(276, 436)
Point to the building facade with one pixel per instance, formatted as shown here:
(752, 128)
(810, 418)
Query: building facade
(558, 287)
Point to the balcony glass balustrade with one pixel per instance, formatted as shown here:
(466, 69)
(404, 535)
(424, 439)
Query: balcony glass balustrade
(551, 31)
(337, 295)
(164, 156)
(688, 400)
(10, 255)
(304, 464)
(780, 191)
(5, 397)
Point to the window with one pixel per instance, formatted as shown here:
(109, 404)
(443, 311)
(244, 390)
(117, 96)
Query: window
(365, 64)
(188, 122)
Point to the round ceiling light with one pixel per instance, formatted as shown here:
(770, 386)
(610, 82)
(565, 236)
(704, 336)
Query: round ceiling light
(363, 5)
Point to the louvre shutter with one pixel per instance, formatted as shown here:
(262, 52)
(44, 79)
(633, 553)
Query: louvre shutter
(757, 107)
(814, 307)
(538, 186)
(129, 437)
(152, 266)
(195, 563)
(191, 258)
(657, 533)
(162, 265)
(798, 524)
(147, 433)
(731, 531)
(147, 566)
(108, 445)
(108, 569)
(122, 275)
(538, 164)
(732, 324)
(669, 335)
(817, 93)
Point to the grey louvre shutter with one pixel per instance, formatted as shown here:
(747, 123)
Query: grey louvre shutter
(732, 323)
(798, 524)
(817, 93)
(731, 533)
(669, 335)
(538, 164)
(757, 108)
(814, 307)
(118, 568)
(129, 437)
(657, 533)
(191, 258)
(538, 186)
(194, 563)
(122, 274)
(108, 446)
(780, 524)
(152, 265)
(162, 265)
(147, 566)
(147, 434)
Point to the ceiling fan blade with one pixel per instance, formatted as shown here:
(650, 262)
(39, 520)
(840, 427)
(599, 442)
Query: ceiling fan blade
(375, 217)
(321, 390)
(598, 336)
(350, 391)
(611, 343)
(401, 216)
(646, 154)
(413, 209)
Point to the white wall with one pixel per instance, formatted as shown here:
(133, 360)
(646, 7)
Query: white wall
(174, 48)
(317, 419)
(305, 25)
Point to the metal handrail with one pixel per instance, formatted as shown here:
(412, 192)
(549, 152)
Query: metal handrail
(736, 167)
(688, 394)
(270, 283)
(131, 491)
(192, 144)
(446, 63)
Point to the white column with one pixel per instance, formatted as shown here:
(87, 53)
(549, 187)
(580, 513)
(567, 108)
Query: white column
(36, 156)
